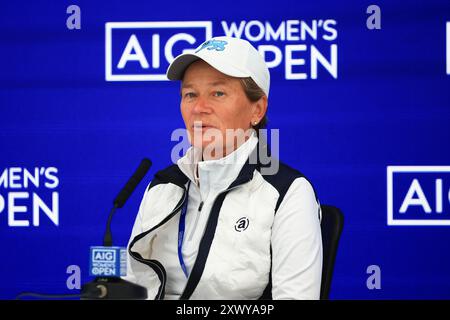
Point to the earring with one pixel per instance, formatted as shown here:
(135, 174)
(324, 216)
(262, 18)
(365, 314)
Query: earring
(255, 123)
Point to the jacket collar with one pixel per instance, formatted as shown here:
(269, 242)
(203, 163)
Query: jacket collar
(217, 175)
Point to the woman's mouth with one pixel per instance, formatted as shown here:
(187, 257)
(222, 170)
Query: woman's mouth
(202, 126)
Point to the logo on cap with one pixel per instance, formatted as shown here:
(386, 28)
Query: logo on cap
(218, 45)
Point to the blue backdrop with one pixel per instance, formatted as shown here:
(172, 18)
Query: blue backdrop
(79, 133)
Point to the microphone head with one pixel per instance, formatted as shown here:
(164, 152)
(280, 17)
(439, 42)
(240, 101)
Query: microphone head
(132, 183)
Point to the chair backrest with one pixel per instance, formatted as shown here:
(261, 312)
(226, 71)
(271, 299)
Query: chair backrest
(331, 226)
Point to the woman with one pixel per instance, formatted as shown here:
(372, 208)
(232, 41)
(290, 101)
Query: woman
(214, 225)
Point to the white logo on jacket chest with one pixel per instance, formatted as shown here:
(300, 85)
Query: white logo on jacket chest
(241, 224)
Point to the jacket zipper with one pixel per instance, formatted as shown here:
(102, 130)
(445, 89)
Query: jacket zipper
(198, 214)
(200, 207)
(199, 210)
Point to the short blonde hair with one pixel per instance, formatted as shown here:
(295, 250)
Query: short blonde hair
(254, 93)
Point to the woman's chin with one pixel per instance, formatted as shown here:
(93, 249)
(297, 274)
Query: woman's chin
(205, 145)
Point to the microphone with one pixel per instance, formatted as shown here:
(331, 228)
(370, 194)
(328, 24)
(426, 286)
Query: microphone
(128, 189)
(123, 196)
(108, 263)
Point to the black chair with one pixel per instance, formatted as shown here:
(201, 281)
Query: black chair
(331, 226)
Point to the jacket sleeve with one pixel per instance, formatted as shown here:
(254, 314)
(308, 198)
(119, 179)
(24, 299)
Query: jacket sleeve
(297, 245)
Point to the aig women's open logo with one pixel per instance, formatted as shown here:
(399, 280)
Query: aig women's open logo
(418, 195)
(27, 194)
(299, 49)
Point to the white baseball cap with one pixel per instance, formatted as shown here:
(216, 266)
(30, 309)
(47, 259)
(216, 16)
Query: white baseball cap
(232, 56)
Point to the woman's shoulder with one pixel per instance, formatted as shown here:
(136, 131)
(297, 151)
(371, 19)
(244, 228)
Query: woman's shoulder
(284, 177)
(170, 174)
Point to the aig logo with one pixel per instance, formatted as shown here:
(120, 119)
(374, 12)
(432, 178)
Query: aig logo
(418, 195)
(104, 255)
(142, 51)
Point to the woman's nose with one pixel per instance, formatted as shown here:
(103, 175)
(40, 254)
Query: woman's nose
(201, 105)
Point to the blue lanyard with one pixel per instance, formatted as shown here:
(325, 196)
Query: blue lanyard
(181, 228)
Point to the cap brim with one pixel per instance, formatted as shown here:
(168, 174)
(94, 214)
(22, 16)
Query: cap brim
(179, 65)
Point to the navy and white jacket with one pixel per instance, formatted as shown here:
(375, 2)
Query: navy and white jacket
(248, 235)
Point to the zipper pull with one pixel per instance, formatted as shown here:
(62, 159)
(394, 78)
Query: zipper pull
(200, 206)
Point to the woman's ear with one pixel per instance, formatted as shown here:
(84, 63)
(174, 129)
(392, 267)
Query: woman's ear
(259, 109)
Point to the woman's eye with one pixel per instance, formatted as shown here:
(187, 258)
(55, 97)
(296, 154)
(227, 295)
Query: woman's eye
(218, 93)
(189, 95)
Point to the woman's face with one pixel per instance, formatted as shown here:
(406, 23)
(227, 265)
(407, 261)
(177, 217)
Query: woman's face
(214, 107)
